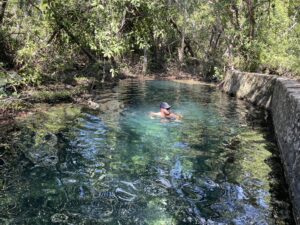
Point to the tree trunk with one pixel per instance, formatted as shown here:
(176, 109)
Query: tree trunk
(186, 40)
(251, 17)
(2, 12)
(234, 16)
(181, 50)
(145, 61)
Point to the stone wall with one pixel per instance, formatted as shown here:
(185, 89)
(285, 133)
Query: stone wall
(257, 89)
(285, 110)
(282, 97)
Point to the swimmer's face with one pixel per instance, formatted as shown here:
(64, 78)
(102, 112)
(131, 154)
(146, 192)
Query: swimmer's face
(165, 111)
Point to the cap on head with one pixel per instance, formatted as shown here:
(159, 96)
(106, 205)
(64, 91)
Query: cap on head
(164, 105)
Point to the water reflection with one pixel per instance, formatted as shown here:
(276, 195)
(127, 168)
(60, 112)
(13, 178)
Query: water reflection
(115, 165)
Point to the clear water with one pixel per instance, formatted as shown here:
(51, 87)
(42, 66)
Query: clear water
(115, 165)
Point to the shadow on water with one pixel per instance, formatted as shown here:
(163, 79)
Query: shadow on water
(278, 190)
(115, 165)
(260, 122)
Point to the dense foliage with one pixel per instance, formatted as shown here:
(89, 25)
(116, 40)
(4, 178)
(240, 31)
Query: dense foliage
(41, 37)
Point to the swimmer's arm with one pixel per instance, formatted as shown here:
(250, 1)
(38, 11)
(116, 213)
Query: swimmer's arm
(166, 112)
(174, 116)
(152, 114)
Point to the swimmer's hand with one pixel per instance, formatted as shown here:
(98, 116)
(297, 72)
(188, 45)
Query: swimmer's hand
(150, 114)
(174, 116)
(179, 117)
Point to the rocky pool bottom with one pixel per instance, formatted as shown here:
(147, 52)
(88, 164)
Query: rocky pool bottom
(116, 165)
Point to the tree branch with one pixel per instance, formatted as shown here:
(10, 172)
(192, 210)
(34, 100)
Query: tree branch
(60, 23)
(56, 31)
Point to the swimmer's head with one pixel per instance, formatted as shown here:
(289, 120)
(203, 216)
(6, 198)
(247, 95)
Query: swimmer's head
(165, 105)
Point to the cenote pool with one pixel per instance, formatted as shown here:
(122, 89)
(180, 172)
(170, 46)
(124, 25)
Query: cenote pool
(116, 165)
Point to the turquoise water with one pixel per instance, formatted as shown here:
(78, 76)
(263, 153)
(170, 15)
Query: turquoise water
(116, 165)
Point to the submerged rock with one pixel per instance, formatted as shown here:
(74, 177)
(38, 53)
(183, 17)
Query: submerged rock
(164, 182)
(40, 134)
(93, 105)
(59, 218)
(42, 151)
(124, 195)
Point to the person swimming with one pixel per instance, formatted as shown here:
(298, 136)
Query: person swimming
(165, 112)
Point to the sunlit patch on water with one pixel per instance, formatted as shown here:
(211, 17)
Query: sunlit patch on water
(116, 165)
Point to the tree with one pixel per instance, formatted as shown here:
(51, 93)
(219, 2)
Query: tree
(41, 37)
